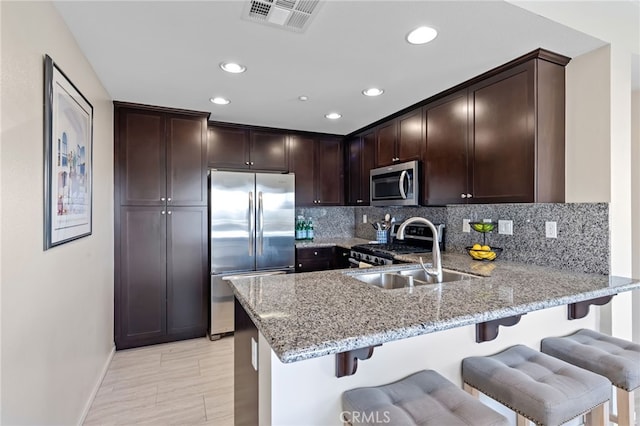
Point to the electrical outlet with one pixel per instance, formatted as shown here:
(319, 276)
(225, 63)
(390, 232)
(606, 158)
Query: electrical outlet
(505, 227)
(465, 225)
(551, 229)
(486, 220)
(364, 218)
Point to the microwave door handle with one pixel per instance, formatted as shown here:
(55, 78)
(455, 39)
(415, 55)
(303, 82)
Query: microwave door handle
(403, 175)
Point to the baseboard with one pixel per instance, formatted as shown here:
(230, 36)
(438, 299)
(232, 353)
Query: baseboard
(96, 387)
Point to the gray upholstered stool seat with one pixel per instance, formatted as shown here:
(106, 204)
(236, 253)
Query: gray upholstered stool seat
(537, 386)
(616, 359)
(424, 398)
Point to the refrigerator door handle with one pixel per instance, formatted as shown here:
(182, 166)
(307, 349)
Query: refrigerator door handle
(260, 224)
(251, 223)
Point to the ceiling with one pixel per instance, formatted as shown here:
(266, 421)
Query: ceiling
(167, 53)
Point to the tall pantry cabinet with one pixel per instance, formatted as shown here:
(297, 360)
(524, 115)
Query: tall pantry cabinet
(161, 279)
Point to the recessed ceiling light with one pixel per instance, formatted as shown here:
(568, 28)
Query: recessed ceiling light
(303, 98)
(220, 100)
(333, 116)
(232, 67)
(372, 91)
(421, 35)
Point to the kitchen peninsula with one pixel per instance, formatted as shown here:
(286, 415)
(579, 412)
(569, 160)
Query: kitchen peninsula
(303, 320)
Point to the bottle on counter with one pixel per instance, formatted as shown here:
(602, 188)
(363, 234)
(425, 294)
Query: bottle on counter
(301, 232)
(310, 232)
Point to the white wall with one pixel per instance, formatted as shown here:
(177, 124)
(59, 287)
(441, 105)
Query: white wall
(635, 199)
(57, 305)
(588, 124)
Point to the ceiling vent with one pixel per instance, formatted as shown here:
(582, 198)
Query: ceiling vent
(292, 15)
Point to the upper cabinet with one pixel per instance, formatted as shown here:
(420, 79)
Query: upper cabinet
(500, 139)
(445, 168)
(243, 148)
(360, 160)
(400, 139)
(161, 157)
(317, 163)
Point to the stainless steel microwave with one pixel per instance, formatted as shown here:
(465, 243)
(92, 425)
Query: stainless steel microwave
(395, 185)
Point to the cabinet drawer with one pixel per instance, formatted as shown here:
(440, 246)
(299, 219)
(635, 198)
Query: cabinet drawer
(314, 259)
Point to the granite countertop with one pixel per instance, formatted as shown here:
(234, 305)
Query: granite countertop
(314, 314)
(330, 242)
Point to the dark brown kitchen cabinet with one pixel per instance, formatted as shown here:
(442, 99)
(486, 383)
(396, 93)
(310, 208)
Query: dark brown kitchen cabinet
(507, 125)
(244, 148)
(161, 285)
(360, 160)
(400, 139)
(445, 165)
(318, 166)
(163, 257)
(309, 259)
(161, 158)
(386, 137)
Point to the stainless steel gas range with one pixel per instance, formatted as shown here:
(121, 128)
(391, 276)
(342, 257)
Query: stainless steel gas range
(418, 239)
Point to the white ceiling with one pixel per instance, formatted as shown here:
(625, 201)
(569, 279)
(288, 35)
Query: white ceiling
(167, 53)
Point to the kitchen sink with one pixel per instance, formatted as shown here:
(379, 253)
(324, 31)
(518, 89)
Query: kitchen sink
(409, 277)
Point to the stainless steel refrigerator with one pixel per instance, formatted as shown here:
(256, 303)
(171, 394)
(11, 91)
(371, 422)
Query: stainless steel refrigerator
(252, 226)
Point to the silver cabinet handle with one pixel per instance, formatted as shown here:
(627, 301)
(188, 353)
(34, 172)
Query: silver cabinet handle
(319, 201)
(260, 224)
(169, 199)
(251, 223)
(463, 196)
(315, 253)
(252, 163)
(161, 198)
(169, 212)
(246, 162)
(162, 212)
(469, 195)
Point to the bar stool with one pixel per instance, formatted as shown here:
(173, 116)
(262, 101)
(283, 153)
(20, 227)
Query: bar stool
(424, 398)
(616, 359)
(538, 387)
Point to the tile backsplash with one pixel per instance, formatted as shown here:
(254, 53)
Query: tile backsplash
(329, 222)
(583, 233)
(583, 230)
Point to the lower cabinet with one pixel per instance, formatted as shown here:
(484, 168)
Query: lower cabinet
(161, 290)
(245, 373)
(310, 259)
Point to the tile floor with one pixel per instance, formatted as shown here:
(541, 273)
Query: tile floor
(180, 383)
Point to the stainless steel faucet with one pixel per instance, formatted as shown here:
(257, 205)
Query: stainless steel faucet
(436, 262)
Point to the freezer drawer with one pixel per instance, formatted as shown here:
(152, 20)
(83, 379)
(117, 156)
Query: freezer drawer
(222, 301)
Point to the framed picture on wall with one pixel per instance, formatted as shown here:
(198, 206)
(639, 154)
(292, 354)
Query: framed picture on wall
(68, 159)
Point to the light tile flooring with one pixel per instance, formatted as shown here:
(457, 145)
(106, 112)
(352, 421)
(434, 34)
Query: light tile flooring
(180, 383)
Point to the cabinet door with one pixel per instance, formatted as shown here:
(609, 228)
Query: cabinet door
(445, 165)
(228, 147)
(368, 163)
(141, 290)
(187, 271)
(504, 137)
(330, 173)
(410, 145)
(311, 259)
(186, 161)
(354, 168)
(302, 160)
(386, 136)
(269, 151)
(141, 161)
(245, 374)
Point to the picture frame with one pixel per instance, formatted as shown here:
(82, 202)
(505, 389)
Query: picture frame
(68, 159)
